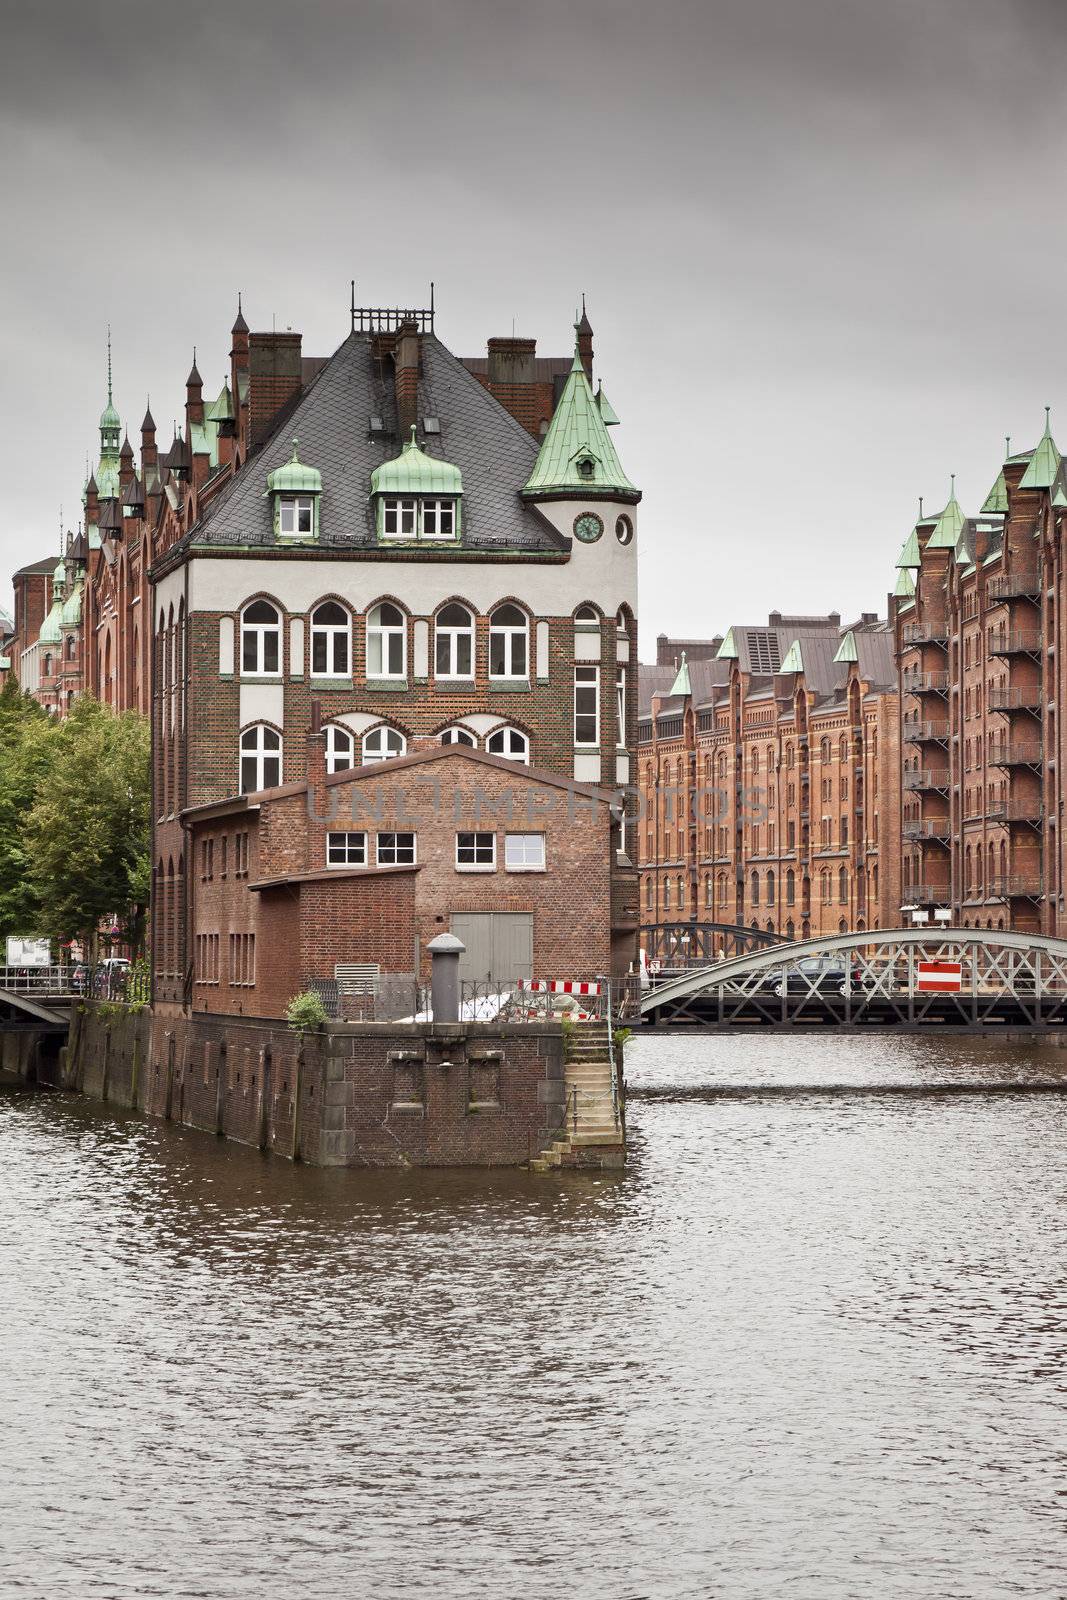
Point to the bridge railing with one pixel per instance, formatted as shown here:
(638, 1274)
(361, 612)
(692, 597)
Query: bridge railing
(37, 980)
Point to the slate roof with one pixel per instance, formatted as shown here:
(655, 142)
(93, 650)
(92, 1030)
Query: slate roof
(494, 453)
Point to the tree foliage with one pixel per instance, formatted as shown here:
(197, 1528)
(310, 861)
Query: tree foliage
(74, 820)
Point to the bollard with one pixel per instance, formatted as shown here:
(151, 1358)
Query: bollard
(445, 952)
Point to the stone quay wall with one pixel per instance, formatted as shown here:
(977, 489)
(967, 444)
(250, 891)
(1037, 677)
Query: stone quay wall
(354, 1094)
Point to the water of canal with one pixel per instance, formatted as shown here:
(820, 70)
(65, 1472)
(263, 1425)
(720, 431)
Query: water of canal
(810, 1344)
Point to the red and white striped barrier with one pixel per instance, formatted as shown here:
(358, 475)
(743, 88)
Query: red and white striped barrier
(560, 986)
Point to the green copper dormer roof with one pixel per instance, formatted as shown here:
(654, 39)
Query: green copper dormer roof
(413, 472)
(949, 524)
(294, 477)
(220, 410)
(1059, 499)
(604, 406)
(1044, 463)
(996, 501)
(905, 586)
(728, 650)
(909, 556)
(577, 459)
(846, 650)
(681, 683)
(794, 660)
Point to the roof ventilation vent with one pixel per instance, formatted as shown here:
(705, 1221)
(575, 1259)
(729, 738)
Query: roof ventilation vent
(431, 425)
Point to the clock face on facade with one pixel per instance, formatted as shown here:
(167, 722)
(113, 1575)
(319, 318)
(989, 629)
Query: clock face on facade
(588, 527)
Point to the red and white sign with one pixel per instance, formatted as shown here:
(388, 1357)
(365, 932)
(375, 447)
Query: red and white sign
(560, 986)
(939, 977)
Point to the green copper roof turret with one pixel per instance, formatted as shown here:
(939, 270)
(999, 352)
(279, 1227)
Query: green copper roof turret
(50, 633)
(794, 660)
(846, 650)
(413, 472)
(905, 587)
(949, 524)
(681, 683)
(728, 650)
(577, 459)
(996, 501)
(1044, 463)
(294, 477)
(909, 556)
(604, 406)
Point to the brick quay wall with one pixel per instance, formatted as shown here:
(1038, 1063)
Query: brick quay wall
(351, 1095)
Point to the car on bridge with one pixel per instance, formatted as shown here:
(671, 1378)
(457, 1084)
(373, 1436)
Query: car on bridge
(815, 975)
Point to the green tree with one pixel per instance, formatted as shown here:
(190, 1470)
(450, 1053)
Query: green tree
(87, 836)
(27, 738)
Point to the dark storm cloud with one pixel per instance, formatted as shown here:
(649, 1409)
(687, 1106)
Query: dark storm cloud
(820, 239)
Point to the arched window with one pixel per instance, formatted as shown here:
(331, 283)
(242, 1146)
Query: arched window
(790, 929)
(587, 616)
(510, 743)
(261, 639)
(340, 749)
(824, 750)
(454, 642)
(842, 886)
(770, 887)
(667, 893)
(386, 642)
(261, 758)
(755, 758)
(790, 888)
(330, 641)
(458, 736)
(47, 665)
(707, 890)
(508, 643)
(755, 889)
(383, 743)
(681, 892)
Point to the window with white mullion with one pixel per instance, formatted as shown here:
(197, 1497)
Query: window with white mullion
(400, 518)
(509, 653)
(261, 640)
(261, 758)
(586, 704)
(296, 516)
(475, 852)
(386, 642)
(620, 707)
(340, 749)
(454, 643)
(438, 518)
(330, 641)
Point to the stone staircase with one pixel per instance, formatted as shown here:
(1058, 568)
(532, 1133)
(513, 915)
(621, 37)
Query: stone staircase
(592, 1135)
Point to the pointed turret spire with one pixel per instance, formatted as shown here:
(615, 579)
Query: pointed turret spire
(194, 380)
(577, 459)
(149, 423)
(949, 524)
(682, 685)
(1045, 461)
(109, 363)
(239, 324)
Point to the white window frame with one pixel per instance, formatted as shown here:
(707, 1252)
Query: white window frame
(339, 760)
(509, 735)
(253, 746)
(586, 677)
(259, 633)
(383, 859)
(381, 637)
(620, 708)
(381, 736)
(513, 639)
(296, 510)
(331, 634)
(524, 852)
(437, 517)
(452, 636)
(398, 510)
(477, 841)
(338, 855)
(458, 735)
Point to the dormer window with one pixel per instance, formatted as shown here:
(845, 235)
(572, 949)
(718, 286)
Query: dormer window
(296, 516)
(586, 467)
(296, 490)
(417, 496)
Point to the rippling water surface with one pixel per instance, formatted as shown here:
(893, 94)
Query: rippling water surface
(810, 1344)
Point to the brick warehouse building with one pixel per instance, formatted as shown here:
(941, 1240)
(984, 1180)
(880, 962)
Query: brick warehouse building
(982, 660)
(768, 774)
(399, 550)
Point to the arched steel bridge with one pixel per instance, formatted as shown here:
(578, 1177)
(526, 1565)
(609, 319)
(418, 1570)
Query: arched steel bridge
(895, 980)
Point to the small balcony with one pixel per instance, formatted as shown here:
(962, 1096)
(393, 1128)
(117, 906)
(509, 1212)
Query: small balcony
(1014, 697)
(915, 633)
(930, 778)
(925, 683)
(925, 894)
(938, 829)
(1016, 754)
(918, 730)
(1016, 642)
(1023, 584)
(1015, 809)
(1019, 886)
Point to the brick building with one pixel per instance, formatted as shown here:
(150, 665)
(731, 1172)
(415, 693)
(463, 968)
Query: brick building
(362, 867)
(982, 656)
(380, 535)
(768, 776)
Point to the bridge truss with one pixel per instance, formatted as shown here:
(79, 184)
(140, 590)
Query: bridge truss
(874, 980)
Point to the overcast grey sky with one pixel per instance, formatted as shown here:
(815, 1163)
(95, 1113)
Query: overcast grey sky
(822, 241)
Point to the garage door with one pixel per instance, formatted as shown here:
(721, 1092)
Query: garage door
(499, 944)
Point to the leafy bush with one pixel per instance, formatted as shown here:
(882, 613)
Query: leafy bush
(306, 1011)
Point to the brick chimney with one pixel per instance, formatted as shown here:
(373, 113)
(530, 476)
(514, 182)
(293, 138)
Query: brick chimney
(274, 375)
(511, 360)
(406, 364)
